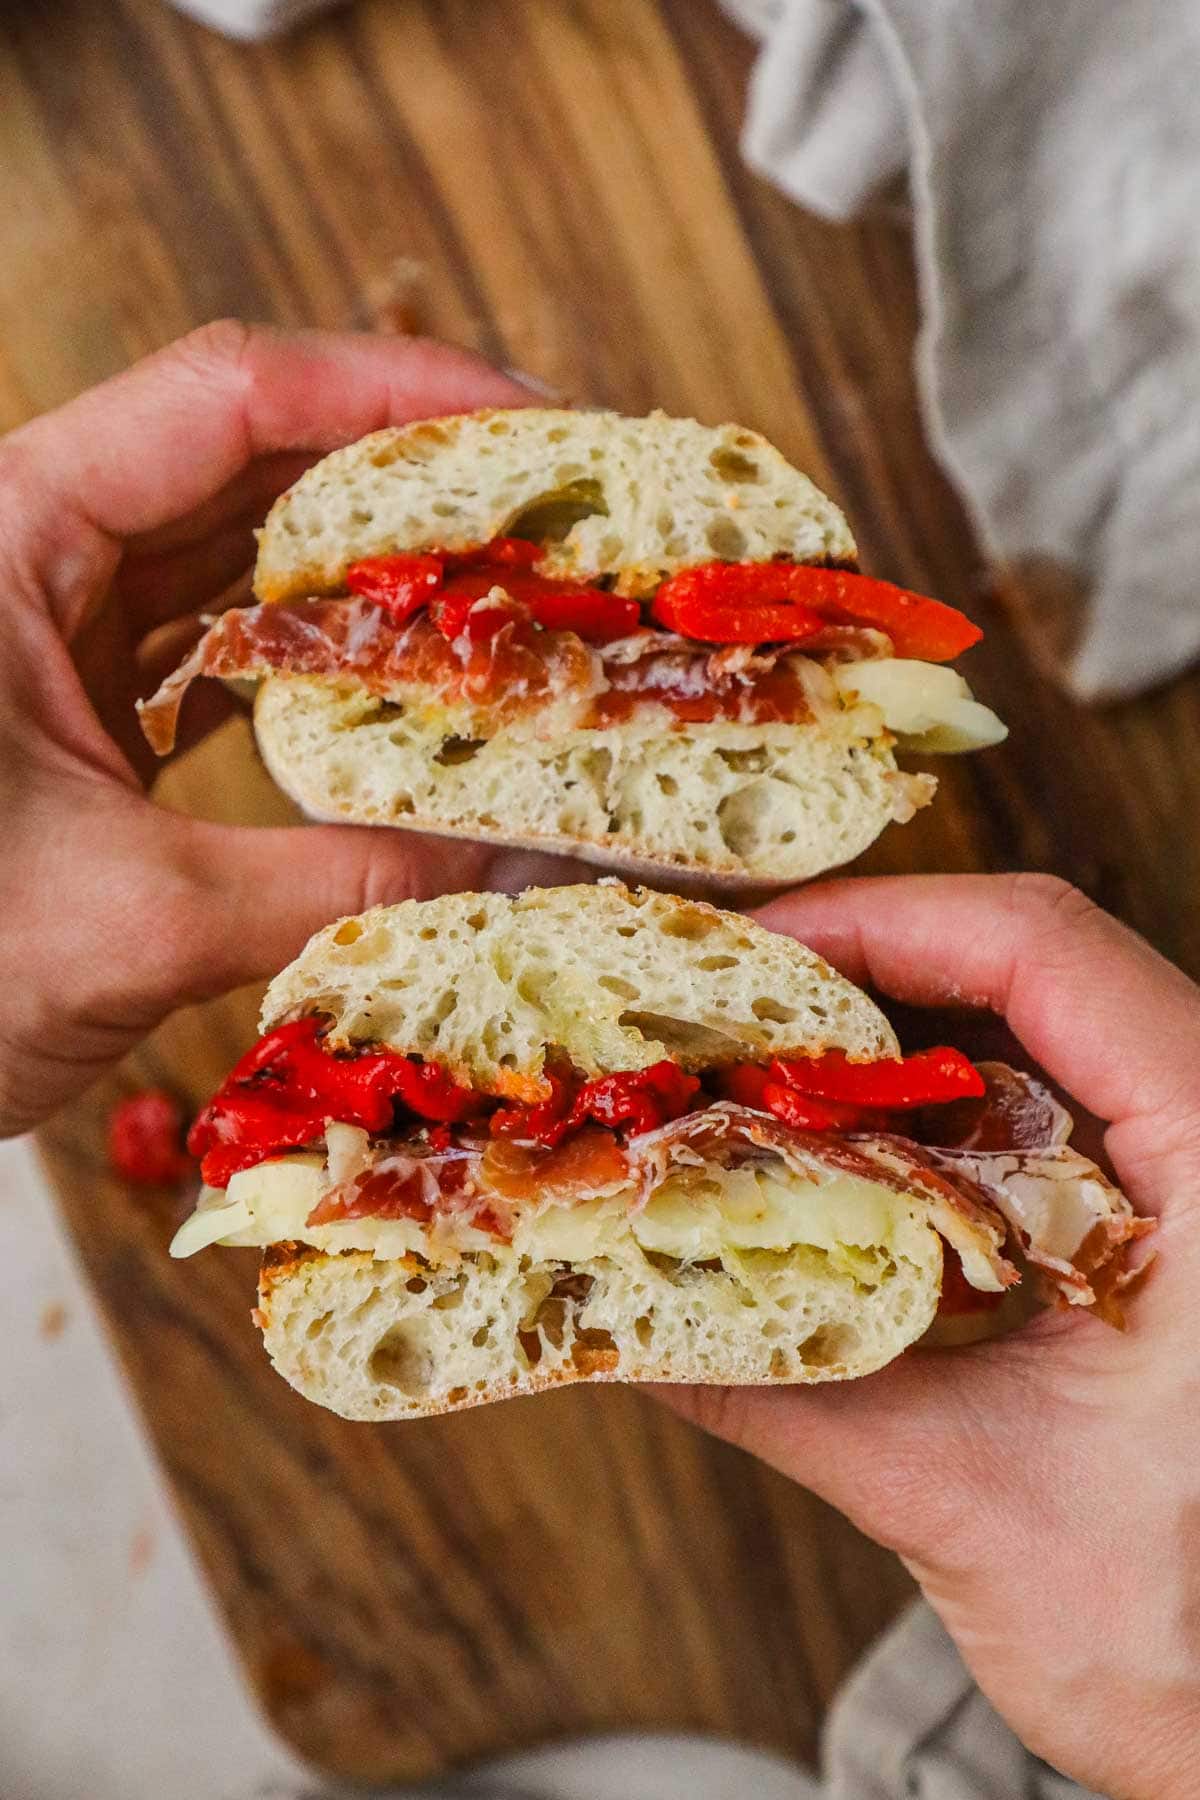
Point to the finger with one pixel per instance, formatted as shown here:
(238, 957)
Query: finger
(253, 897)
(1103, 1013)
(153, 590)
(153, 444)
(915, 1455)
(249, 495)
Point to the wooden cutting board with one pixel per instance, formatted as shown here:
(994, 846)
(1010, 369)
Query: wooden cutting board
(558, 183)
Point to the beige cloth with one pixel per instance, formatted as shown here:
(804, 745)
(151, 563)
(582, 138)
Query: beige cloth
(909, 1725)
(1054, 161)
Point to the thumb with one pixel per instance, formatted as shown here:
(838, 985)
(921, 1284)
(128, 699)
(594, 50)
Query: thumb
(919, 1456)
(255, 896)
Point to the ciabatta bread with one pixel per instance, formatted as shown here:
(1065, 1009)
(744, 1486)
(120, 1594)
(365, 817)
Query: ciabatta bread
(729, 803)
(411, 1270)
(487, 984)
(606, 495)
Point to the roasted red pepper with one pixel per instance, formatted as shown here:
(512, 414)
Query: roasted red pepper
(803, 1113)
(145, 1139)
(512, 553)
(555, 605)
(929, 1078)
(286, 1089)
(401, 585)
(749, 603)
(634, 1101)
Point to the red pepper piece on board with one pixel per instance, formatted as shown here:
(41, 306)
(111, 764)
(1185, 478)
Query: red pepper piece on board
(145, 1139)
(401, 585)
(918, 626)
(928, 1078)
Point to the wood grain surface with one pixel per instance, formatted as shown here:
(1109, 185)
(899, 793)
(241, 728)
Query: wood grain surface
(556, 182)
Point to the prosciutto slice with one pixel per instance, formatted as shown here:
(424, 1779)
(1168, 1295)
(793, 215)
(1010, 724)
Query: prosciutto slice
(1008, 1183)
(518, 672)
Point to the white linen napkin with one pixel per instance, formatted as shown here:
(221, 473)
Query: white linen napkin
(1054, 162)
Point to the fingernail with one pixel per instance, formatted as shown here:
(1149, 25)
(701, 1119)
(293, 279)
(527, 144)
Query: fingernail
(536, 385)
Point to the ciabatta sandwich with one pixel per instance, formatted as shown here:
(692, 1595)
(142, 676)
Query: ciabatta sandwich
(489, 1145)
(640, 640)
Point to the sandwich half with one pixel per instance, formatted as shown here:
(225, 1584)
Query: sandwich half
(489, 1145)
(643, 641)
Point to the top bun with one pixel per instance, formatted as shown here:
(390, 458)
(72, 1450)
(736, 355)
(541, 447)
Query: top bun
(604, 494)
(486, 984)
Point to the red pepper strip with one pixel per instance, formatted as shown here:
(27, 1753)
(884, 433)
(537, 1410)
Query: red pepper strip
(743, 1083)
(145, 1139)
(401, 585)
(637, 1100)
(803, 1113)
(926, 1079)
(513, 553)
(462, 615)
(533, 1121)
(555, 605)
(283, 1092)
(918, 627)
(716, 622)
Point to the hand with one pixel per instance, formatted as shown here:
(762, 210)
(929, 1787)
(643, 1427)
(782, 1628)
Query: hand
(121, 516)
(1045, 1488)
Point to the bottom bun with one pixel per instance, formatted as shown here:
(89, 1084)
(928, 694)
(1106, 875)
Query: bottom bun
(762, 804)
(399, 1338)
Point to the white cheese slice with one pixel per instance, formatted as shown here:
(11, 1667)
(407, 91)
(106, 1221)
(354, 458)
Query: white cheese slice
(929, 707)
(695, 1215)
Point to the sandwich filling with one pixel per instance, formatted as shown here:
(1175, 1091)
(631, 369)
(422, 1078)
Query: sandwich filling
(481, 642)
(367, 1149)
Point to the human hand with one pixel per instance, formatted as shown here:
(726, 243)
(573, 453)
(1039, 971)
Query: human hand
(1044, 1488)
(122, 515)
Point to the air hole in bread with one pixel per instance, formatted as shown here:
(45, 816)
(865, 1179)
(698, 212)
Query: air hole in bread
(456, 750)
(593, 1351)
(710, 964)
(691, 925)
(667, 785)
(552, 516)
(476, 920)
(742, 817)
(744, 762)
(416, 1285)
(615, 985)
(731, 465)
(348, 932)
(779, 1366)
(531, 1346)
(684, 1039)
(482, 1337)
(665, 523)
(445, 509)
(450, 1301)
(772, 1010)
(498, 428)
(643, 1329)
(456, 1396)
(317, 1326)
(827, 1345)
(726, 539)
(403, 1359)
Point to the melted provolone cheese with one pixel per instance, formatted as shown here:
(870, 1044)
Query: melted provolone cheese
(928, 706)
(695, 1215)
